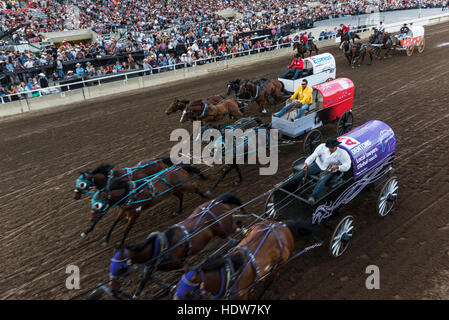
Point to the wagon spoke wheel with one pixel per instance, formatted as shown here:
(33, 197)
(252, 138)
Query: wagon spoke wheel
(270, 206)
(312, 140)
(345, 123)
(388, 196)
(421, 46)
(410, 49)
(341, 236)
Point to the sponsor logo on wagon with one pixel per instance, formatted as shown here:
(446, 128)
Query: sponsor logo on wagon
(255, 145)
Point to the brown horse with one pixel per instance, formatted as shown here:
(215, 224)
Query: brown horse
(359, 51)
(345, 37)
(166, 251)
(390, 43)
(204, 112)
(300, 47)
(180, 105)
(267, 246)
(134, 197)
(103, 176)
(262, 92)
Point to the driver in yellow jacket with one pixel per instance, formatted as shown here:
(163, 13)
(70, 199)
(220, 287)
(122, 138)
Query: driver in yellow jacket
(302, 98)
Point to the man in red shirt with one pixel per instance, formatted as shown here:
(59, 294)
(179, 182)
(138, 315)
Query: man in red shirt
(345, 29)
(296, 67)
(304, 39)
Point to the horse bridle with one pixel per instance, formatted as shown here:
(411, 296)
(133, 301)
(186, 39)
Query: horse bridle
(244, 85)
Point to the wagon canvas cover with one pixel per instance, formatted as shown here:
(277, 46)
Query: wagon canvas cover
(368, 145)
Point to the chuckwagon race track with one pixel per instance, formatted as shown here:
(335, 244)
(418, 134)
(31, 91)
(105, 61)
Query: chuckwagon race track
(42, 154)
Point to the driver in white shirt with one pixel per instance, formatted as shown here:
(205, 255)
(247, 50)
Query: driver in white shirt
(327, 156)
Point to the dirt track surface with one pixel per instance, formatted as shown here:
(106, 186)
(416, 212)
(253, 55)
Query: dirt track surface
(43, 153)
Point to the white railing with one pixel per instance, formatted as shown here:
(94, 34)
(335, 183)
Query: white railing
(175, 68)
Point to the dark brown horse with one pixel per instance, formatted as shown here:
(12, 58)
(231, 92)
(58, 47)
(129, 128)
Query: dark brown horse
(180, 105)
(104, 175)
(346, 46)
(267, 247)
(345, 37)
(390, 43)
(359, 51)
(262, 93)
(242, 140)
(375, 40)
(204, 112)
(166, 251)
(134, 197)
(300, 47)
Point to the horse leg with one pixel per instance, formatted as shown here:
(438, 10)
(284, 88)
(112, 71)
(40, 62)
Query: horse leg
(132, 217)
(143, 281)
(267, 284)
(224, 172)
(92, 226)
(262, 105)
(120, 216)
(239, 173)
(361, 59)
(180, 196)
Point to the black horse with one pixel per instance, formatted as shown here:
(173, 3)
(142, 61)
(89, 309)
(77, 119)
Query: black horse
(346, 46)
(301, 48)
(240, 145)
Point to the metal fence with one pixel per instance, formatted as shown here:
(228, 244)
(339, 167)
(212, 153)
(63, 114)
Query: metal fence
(124, 76)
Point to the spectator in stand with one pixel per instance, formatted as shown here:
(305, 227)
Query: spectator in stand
(12, 91)
(4, 94)
(118, 67)
(79, 70)
(131, 62)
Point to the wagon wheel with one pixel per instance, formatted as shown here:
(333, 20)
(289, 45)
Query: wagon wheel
(270, 209)
(345, 123)
(388, 196)
(95, 295)
(410, 49)
(421, 46)
(312, 140)
(341, 236)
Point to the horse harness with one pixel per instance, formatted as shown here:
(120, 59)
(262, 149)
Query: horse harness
(230, 276)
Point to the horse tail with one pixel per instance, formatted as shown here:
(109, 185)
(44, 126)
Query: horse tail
(297, 227)
(167, 161)
(282, 87)
(191, 169)
(230, 198)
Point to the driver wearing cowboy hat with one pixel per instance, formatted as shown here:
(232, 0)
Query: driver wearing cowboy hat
(327, 156)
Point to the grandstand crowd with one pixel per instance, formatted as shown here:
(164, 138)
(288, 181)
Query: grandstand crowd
(165, 33)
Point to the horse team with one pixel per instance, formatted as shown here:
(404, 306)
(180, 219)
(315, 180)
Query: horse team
(265, 247)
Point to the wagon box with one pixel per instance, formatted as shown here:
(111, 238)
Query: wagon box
(371, 148)
(317, 69)
(368, 145)
(330, 102)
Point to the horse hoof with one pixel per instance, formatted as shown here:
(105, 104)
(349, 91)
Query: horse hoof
(237, 183)
(264, 111)
(208, 193)
(83, 235)
(105, 243)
